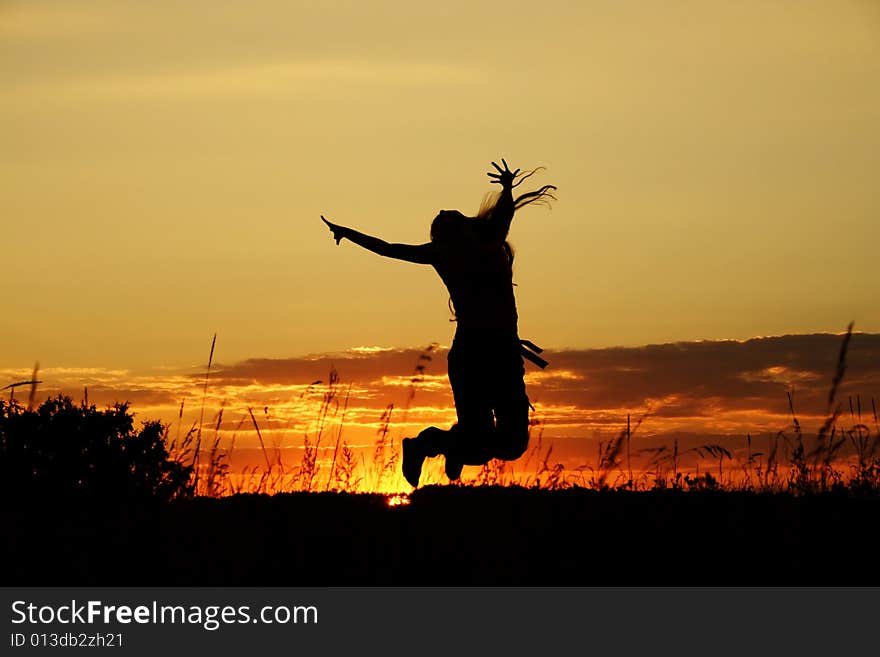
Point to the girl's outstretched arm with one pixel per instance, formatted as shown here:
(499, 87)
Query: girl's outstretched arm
(422, 254)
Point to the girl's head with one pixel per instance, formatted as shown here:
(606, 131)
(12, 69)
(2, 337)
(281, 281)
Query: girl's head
(448, 226)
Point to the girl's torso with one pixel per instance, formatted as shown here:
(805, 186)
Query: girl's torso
(479, 277)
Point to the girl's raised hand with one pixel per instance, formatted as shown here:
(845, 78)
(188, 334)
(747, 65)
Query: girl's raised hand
(504, 177)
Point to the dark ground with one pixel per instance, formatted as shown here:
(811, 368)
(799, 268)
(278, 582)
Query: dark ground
(447, 536)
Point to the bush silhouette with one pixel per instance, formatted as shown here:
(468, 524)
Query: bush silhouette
(63, 449)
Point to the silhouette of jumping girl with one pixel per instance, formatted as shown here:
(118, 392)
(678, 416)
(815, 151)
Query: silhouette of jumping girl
(485, 363)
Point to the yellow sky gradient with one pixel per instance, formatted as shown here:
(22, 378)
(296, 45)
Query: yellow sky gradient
(164, 165)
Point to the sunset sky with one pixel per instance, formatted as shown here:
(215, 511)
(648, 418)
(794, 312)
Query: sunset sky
(165, 164)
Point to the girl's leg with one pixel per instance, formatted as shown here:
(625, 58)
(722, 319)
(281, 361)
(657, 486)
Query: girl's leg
(470, 440)
(431, 442)
(474, 377)
(455, 444)
(511, 406)
(511, 430)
